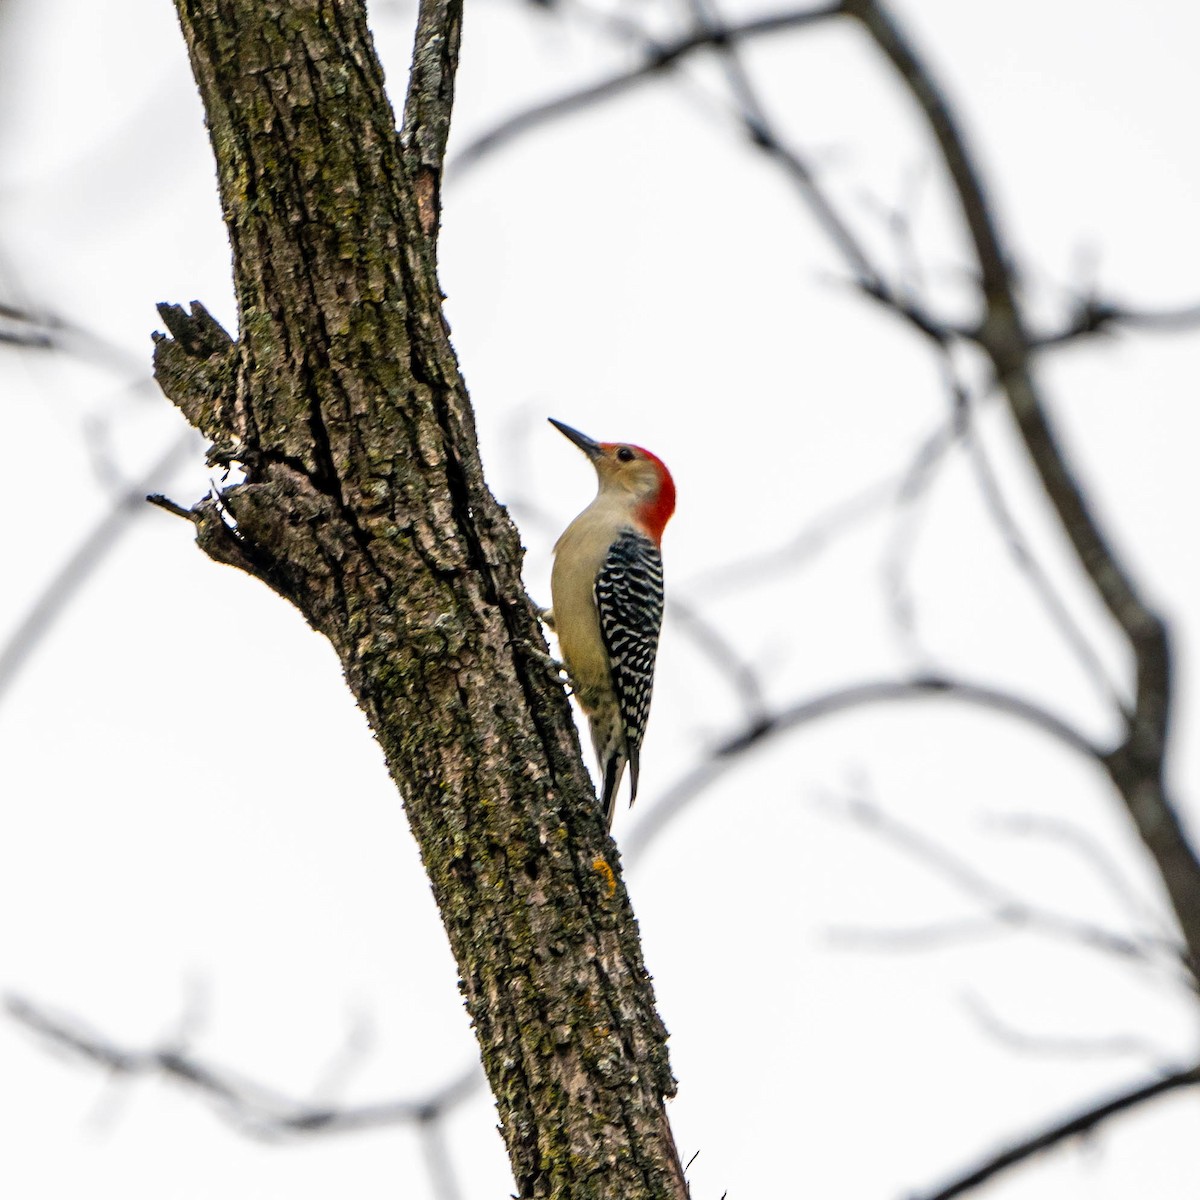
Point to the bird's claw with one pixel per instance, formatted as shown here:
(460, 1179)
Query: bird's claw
(559, 668)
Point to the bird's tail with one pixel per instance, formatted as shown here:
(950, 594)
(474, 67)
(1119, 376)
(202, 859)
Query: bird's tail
(608, 739)
(614, 770)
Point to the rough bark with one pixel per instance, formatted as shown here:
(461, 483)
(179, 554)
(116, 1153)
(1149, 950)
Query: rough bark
(364, 504)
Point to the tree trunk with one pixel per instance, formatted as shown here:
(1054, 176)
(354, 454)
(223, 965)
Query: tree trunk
(363, 503)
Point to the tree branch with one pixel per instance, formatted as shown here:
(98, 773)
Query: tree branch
(919, 687)
(724, 756)
(1057, 1045)
(430, 100)
(658, 59)
(1093, 315)
(1027, 565)
(762, 133)
(1090, 852)
(63, 587)
(741, 677)
(21, 328)
(254, 1109)
(1082, 1122)
(1137, 765)
(1001, 905)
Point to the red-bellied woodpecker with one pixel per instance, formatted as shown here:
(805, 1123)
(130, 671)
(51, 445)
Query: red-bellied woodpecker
(607, 591)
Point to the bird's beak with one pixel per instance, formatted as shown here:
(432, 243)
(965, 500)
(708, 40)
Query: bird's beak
(590, 448)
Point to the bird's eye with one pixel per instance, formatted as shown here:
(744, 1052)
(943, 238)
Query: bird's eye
(625, 454)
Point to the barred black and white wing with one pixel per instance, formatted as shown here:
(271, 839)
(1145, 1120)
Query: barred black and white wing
(629, 600)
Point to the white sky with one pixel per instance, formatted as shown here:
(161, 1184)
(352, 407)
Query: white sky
(195, 809)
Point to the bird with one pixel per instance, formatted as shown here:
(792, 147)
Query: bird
(606, 590)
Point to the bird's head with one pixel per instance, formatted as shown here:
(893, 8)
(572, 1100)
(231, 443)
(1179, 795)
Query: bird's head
(628, 470)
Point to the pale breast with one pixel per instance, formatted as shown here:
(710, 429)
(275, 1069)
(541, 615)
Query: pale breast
(578, 556)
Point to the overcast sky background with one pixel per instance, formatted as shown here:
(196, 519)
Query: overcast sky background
(196, 819)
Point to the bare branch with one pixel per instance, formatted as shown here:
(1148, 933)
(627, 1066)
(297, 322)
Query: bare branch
(911, 495)
(726, 754)
(1093, 315)
(430, 100)
(1002, 905)
(914, 488)
(1088, 849)
(20, 328)
(438, 1160)
(1032, 570)
(801, 547)
(62, 588)
(763, 134)
(29, 328)
(1137, 766)
(868, 279)
(1005, 337)
(742, 677)
(658, 59)
(255, 1110)
(169, 505)
(817, 533)
(1060, 1045)
(1162, 320)
(1082, 1122)
(919, 687)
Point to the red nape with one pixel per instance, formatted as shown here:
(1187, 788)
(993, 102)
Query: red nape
(655, 514)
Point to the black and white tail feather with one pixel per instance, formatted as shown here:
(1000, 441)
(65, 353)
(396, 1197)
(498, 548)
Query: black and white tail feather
(629, 600)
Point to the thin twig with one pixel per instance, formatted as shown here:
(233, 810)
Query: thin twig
(1089, 850)
(439, 1162)
(21, 328)
(1056, 1045)
(254, 1109)
(45, 330)
(61, 589)
(169, 505)
(929, 687)
(742, 677)
(1031, 569)
(816, 534)
(723, 757)
(1082, 1122)
(1002, 905)
(1093, 315)
(1137, 766)
(911, 505)
(656, 61)
(800, 547)
(763, 134)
